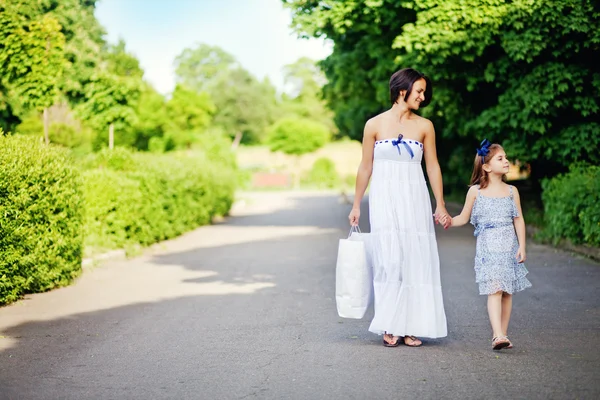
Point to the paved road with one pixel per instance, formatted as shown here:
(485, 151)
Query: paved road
(245, 309)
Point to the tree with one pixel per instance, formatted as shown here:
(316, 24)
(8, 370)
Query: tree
(32, 57)
(244, 107)
(297, 136)
(152, 120)
(198, 68)
(122, 63)
(109, 103)
(362, 60)
(304, 98)
(518, 72)
(78, 39)
(189, 115)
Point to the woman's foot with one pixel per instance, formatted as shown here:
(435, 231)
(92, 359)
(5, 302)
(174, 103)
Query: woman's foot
(391, 340)
(500, 342)
(412, 341)
(510, 346)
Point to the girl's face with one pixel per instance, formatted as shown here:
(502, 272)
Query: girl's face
(417, 95)
(498, 164)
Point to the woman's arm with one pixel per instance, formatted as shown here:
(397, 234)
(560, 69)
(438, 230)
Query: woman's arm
(434, 173)
(519, 222)
(364, 170)
(465, 215)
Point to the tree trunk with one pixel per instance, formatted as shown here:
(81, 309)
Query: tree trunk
(297, 172)
(236, 141)
(111, 136)
(46, 126)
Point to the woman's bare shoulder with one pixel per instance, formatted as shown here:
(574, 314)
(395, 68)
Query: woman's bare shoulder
(423, 122)
(378, 118)
(374, 123)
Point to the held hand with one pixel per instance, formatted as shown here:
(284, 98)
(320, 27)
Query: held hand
(442, 217)
(354, 216)
(521, 256)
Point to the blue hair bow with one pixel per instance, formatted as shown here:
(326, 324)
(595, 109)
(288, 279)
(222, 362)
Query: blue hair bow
(398, 142)
(484, 149)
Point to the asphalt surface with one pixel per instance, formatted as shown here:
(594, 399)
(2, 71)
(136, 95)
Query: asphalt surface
(246, 309)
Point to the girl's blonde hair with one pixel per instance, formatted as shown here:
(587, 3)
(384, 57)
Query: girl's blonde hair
(479, 176)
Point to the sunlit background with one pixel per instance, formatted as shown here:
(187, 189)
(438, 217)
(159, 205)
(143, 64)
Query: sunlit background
(128, 122)
(257, 33)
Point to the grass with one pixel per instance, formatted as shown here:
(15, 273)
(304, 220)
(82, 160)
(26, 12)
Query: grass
(346, 155)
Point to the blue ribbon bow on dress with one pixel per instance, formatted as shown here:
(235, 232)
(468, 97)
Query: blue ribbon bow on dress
(398, 142)
(484, 149)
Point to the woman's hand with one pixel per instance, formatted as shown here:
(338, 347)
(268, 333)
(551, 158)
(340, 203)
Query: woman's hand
(354, 216)
(442, 217)
(521, 255)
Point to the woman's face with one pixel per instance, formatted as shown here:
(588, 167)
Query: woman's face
(417, 95)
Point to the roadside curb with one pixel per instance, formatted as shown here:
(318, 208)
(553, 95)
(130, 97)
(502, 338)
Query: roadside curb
(110, 255)
(121, 254)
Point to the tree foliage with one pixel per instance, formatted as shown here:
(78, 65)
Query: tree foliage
(520, 73)
(297, 136)
(303, 96)
(31, 56)
(109, 100)
(189, 115)
(242, 103)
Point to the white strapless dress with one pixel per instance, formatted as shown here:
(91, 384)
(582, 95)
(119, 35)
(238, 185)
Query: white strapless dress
(402, 247)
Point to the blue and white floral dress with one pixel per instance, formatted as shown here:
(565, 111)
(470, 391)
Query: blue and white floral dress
(496, 266)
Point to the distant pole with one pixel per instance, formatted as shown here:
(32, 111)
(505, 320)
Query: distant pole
(237, 140)
(46, 136)
(111, 136)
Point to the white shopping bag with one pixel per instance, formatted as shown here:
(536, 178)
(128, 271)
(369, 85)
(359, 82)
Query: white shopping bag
(353, 277)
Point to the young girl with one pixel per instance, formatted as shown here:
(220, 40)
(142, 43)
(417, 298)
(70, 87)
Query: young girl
(494, 208)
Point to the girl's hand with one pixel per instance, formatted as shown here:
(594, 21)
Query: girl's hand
(442, 217)
(521, 256)
(354, 216)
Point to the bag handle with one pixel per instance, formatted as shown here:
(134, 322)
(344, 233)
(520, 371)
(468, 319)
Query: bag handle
(354, 228)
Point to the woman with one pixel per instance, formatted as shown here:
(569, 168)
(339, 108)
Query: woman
(402, 245)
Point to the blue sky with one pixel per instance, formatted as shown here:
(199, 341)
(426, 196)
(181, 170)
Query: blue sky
(255, 32)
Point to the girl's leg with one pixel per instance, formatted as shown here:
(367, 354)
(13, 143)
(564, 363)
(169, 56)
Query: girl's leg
(494, 306)
(506, 309)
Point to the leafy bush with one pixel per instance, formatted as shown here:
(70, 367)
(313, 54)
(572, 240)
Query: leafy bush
(571, 206)
(141, 198)
(323, 174)
(42, 216)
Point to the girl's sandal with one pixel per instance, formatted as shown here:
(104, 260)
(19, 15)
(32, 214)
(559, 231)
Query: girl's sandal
(414, 341)
(500, 342)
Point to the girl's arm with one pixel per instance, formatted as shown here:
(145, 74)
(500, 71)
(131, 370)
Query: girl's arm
(465, 214)
(434, 173)
(364, 170)
(519, 222)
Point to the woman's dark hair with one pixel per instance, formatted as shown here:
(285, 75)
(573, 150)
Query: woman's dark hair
(403, 80)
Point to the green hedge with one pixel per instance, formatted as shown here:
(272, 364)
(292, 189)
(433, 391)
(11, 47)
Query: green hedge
(141, 198)
(53, 206)
(41, 217)
(571, 206)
